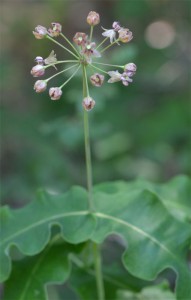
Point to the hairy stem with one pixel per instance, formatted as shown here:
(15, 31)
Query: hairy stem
(54, 41)
(96, 251)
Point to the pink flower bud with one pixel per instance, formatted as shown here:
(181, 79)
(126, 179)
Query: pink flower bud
(40, 32)
(97, 79)
(93, 18)
(38, 70)
(80, 38)
(116, 26)
(40, 86)
(125, 35)
(131, 67)
(55, 30)
(55, 93)
(88, 103)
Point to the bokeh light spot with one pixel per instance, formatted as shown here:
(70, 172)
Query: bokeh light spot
(160, 34)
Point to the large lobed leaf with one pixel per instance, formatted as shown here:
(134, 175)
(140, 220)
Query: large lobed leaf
(155, 240)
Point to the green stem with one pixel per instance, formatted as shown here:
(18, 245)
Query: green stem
(70, 77)
(96, 251)
(96, 68)
(60, 62)
(91, 32)
(98, 272)
(48, 37)
(109, 46)
(117, 66)
(87, 142)
(60, 72)
(67, 40)
(102, 43)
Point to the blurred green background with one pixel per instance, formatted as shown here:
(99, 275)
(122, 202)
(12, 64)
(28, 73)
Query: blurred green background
(136, 131)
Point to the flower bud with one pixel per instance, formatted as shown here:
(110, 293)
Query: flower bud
(55, 30)
(38, 70)
(125, 35)
(93, 18)
(125, 79)
(131, 67)
(116, 26)
(97, 79)
(80, 38)
(88, 103)
(39, 60)
(55, 93)
(40, 86)
(40, 32)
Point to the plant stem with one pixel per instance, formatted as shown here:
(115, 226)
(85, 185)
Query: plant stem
(96, 251)
(96, 68)
(60, 62)
(91, 32)
(70, 77)
(98, 272)
(102, 43)
(87, 143)
(60, 72)
(48, 37)
(109, 46)
(71, 45)
(117, 66)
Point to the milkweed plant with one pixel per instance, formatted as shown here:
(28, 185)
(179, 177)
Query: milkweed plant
(150, 220)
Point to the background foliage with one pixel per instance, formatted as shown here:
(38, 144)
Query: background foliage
(137, 132)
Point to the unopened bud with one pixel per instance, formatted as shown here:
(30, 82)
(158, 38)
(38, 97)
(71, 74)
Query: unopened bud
(97, 79)
(40, 32)
(40, 86)
(131, 67)
(116, 26)
(55, 93)
(39, 60)
(80, 38)
(93, 18)
(38, 70)
(55, 30)
(125, 35)
(88, 103)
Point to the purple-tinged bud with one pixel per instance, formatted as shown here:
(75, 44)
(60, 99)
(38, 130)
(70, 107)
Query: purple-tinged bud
(40, 86)
(116, 26)
(125, 79)
(55, 30)
(40, 32)
(38, 70)
(55, 93)
(97, 79)
(80, 38)
(88, 103)
(39, 60)
(131, 67)
(93, 18)
(125, 35)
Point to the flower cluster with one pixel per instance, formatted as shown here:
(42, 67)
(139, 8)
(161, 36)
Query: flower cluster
(84, 53)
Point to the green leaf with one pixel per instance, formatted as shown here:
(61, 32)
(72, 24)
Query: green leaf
(159, 292)
(154, 239)
(34, 273)
(29, 228)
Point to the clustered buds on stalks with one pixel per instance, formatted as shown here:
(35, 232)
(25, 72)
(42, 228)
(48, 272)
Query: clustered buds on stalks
(84, 51)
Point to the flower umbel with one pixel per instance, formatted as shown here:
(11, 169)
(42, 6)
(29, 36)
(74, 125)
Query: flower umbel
(84, 53)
